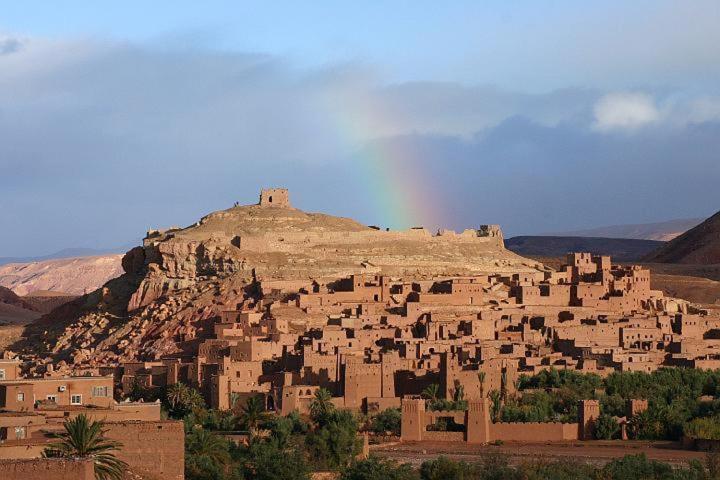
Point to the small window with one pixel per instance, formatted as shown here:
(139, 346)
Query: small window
(51, 398)
(100, 391)
(20, 433)
(2, 374)
(76, 400)
(21, 397)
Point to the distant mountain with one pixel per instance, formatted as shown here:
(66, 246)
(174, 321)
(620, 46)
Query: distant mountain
(71, 276)
(661, 231)
(699, 245)
(70, 253)
(621, 249)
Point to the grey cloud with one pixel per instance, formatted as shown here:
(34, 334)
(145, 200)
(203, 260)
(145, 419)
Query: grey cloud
(99, 142)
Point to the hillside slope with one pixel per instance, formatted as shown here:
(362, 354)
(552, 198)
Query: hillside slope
(699, 245)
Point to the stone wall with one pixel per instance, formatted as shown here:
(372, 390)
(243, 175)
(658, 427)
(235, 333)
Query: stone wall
(534, 432)
(46, 469)
(154, 448)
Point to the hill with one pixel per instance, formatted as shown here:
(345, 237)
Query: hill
(69, 253)
(74, 276)
(621, 249)
(699, 245)
(182, 278)
(661, 231)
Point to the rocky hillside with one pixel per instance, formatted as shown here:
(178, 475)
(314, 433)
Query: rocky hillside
(699, 245)
(180, 279)
(75, 276)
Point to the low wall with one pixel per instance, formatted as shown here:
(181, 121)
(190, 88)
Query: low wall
(533, 432)
(21, 450)
(154, 448)
(46, 469)
(444, 436)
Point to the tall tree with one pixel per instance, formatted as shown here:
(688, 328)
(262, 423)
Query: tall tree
(83, 438)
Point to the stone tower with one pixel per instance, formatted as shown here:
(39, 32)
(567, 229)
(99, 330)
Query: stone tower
(275, 197)
(412, 424)
(477, 424)
(588, 412)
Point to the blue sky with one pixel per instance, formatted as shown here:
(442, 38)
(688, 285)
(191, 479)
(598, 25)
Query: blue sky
(540, 116)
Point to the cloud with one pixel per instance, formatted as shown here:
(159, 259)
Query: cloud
(625, 111)
(9, 45)
(100, 141)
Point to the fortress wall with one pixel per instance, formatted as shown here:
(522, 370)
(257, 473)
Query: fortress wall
(47, 468)
(534, 432)
(155, 448)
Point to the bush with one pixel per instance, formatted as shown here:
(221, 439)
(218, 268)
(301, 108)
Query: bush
(264, 460)
(442, 468)
(606, 428)
(387, 421)
(376, 469)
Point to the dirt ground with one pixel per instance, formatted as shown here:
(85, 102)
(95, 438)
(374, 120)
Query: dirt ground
(595, 452)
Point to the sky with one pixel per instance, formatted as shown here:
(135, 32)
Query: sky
(541, 116)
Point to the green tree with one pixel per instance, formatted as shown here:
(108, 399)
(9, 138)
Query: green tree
(181, 400)
(265, 460)
(252, 414)
(431, 392)
(321, 406)
(335, 443)
(606, 427)
(377, 469)
(207, 455)
(83, 438)
(388, 420)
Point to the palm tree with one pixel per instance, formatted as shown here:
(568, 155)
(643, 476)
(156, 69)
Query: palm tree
(252, 413)
(481, 377)
(182, 399)
(431, 392)
(496, 408)
(321, 405)
(205, 444)
(83, 438)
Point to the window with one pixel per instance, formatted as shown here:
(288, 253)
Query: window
(21, 397)
(2, 374)
(20, 433)
(75, 399)
(100, 391)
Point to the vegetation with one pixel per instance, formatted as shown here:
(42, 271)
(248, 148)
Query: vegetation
(674, 397)
(387, 421)
(377, 469)
(83, 438)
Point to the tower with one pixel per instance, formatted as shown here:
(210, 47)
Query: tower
(477, 423)
(588, 412)
(412, 424)
(275, 197)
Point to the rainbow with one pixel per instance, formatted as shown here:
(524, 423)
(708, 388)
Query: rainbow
(402, 194)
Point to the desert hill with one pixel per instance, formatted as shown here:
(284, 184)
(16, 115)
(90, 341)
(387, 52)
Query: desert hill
(621, 249)
(74, 276)
(699, 245)
(660, 231)
(181, 279)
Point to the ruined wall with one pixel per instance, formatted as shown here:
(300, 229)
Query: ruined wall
(46, 469)
(154, 448)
